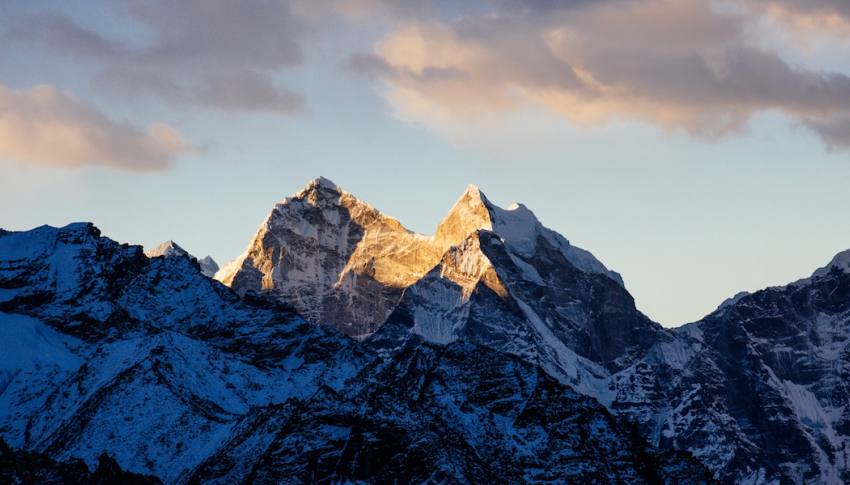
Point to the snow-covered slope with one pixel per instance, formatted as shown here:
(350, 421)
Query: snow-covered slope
(147, 359)
(841, 262)
(578, 326)
(455, 414)
(107, 351)
(756, 390)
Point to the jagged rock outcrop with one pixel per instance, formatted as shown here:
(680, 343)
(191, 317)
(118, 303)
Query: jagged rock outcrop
(578, 326)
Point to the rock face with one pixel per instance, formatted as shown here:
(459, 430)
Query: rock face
(340, 262)
(174, 375)
(336, 259)
(484, 289)
(208, 266)
(24, 467)
(756, 390)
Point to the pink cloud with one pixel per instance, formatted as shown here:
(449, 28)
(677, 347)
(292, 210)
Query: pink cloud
(689, 65)
(43, 126)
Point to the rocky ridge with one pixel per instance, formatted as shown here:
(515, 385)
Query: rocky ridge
(174, 375)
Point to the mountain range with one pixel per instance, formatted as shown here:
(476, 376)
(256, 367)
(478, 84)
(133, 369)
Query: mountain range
(342, 347)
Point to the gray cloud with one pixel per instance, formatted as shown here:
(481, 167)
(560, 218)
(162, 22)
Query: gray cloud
(837, 7)
(692, 65)
(43, 126)
(214, 53)
(834, 132)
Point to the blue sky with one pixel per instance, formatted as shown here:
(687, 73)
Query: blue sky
(738, 187)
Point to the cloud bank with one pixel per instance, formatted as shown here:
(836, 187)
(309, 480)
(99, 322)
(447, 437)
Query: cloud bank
(43, 126)
(706, 67)
(692, 65)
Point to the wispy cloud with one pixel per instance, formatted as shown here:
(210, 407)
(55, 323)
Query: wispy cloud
(44, 126)
(679, 64)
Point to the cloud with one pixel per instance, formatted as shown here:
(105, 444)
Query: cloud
(809, 16)
(690, 65)
(212, 53)
(834, 132)
(43, 126)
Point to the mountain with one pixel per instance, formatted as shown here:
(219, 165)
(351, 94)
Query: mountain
(516, 226)
(493, 350)
(525, 289)
(757, 389)
(529, 293)
(170, 249)
(336, 259)
(341, 262)
(173, 375)
(753, 390)
(146, 359)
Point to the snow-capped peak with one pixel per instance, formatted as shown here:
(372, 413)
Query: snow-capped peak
(469, 213)
(473, 191)
(840, 261)
(315, 186)
(323, 182)
(168, 249)
(516, 226)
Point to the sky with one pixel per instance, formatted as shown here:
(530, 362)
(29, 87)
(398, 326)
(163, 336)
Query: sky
(698, 147)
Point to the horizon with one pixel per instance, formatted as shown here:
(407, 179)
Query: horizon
(701, 152)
